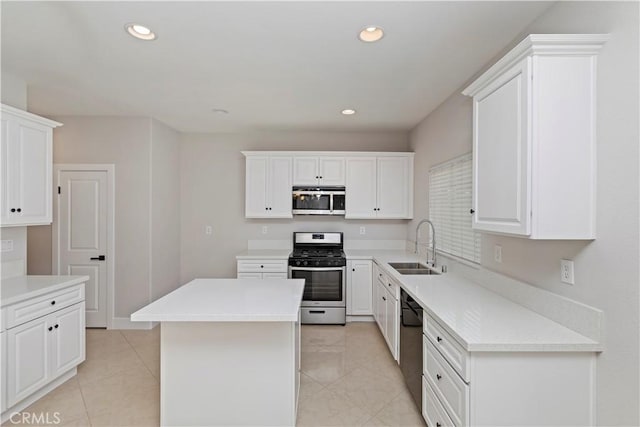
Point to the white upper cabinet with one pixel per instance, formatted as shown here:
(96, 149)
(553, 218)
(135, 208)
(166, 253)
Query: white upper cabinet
(268, 186)
(25, 168)
(313, 170)
(380, 187)
(534, 171)
(361, 188)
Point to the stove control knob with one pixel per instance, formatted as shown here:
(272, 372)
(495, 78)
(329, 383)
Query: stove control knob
(304, 263)
(297, 262)
(317, 262)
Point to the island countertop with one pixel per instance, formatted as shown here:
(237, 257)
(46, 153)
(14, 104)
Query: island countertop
(227, 300)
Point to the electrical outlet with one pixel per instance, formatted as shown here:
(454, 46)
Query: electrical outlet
(497, 253)
(566, 271)
(265, 229)
(208, 230)
(363, 230)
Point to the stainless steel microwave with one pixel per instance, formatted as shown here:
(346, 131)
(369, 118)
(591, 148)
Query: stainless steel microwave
(318, 200)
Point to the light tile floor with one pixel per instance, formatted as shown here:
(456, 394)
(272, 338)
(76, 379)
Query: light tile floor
(348, 379)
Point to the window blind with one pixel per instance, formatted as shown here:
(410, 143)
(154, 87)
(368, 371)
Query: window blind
(449, 205)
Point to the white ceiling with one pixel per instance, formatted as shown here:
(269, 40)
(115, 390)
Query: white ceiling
(273, 65)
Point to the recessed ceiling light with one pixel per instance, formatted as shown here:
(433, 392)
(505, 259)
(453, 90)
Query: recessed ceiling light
(140, 32)
(371, 34)
(348, 112)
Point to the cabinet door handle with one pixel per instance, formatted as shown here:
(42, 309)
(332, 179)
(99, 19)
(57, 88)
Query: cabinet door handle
(438, 339)
(472, 211)
(438, 425)
(353, 269)
(98, 258)
(438, 377)
(19, 210)
(53, 303)
(50, 328)
(13, 210)
(56, 326)
(262, 266)
(317, 311)
(384, 299)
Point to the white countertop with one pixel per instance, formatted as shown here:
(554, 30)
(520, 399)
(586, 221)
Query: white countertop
(20, 288)
(479, 319)
(227, 300)
(265, 254)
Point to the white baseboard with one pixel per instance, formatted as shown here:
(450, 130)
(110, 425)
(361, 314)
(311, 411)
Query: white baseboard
(360, 319)
(126, 323)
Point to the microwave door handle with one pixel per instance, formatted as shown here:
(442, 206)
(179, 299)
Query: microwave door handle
(331, 203)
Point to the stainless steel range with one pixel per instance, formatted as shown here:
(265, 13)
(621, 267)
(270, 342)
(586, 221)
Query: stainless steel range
(318, 258)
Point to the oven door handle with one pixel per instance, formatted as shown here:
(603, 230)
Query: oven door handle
(317, 268)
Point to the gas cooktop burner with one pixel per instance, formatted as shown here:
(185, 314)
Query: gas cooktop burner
(317, 250)
(316, 253)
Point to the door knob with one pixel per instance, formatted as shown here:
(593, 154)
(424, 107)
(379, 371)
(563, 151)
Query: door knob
(98, 258)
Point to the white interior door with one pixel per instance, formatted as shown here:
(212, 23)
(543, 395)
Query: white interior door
(82, 239)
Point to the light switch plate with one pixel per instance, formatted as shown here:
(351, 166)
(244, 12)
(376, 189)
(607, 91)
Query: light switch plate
(7, 245)
(566, 271)
(265, 229)
(497, 253)
(363, 230)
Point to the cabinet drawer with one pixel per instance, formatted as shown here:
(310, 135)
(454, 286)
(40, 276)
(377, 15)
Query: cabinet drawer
(432, 411)
(450, 349)
(393, 288)
(272, 266)
(22, 312)
(446, 384)
(379, 275)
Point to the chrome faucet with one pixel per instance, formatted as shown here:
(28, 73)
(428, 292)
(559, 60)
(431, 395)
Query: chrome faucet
(433, 241)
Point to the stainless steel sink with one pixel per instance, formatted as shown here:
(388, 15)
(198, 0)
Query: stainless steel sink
(411, 268)
(416, 271)
(404, 265)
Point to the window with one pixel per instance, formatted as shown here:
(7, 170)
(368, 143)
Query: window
(449, 205)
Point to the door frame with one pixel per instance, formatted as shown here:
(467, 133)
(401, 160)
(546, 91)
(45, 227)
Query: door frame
(111, 247)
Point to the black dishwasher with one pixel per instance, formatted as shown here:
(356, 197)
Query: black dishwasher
(411, 345)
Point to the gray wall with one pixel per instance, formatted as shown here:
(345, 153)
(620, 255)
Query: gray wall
(165, 210)
(606, 270)
(213, 177)
(146, 156)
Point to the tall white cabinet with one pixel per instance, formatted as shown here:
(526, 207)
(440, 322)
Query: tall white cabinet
(268, 186)
(534, 139)
(25, 168)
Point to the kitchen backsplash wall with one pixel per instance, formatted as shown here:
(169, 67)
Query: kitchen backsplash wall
(606, 269)
(213, 180)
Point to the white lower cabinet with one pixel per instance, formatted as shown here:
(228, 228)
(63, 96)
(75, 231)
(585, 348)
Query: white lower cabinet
(359, 288)
(480, 388)
(40, 350)
(262, 269)
(386, 310)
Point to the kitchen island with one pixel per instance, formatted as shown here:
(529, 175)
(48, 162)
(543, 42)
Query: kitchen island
(230, 351)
